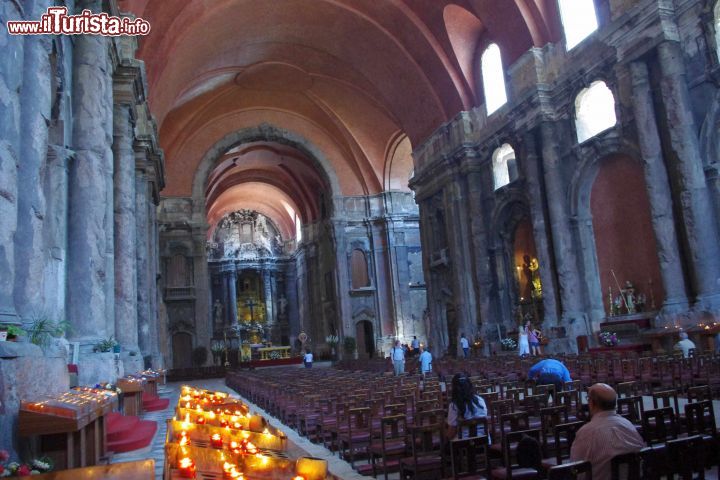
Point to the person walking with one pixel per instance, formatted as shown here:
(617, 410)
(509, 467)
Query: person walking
(425, 360)
(465, 345)
(414, 345)
(398, 358)
(308, 358)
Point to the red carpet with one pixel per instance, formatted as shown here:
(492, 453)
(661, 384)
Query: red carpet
(127, 433)
(153, 403)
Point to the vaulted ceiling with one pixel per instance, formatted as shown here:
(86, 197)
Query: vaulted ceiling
(360, 80)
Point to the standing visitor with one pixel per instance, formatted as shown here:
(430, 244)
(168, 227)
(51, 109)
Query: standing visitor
(684, 345)
(533, 338)
(415, 345)
(523, 344)
(308, 359)
(465, 345)
(425, 360)
(398, 358)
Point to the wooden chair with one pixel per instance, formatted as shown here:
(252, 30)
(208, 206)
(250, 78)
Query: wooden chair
(497, 409)
(474, 427)
(625, 466)
(564, 435)
(469, 457)
(512, 468)
(428, 444)
(699, 393)
(666, 398)
(658, 425)
(549, 418)
(357, 435)
(700, 418)
(391, 446)
(631, 408)
(570, 471)
(686, 457)
(629, 389)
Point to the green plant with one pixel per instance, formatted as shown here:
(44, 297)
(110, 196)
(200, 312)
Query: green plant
(105, 345)
(14, 330)
(43, 329)
(199, 356)
(349, 344)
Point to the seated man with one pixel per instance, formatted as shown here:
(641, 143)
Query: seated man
(684, 345)
(607, 435)
(549, 371)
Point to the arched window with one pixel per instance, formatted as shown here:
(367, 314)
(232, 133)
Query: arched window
(358, 265)
(717, 29)
(493, 77)
(579, 20)
(504, 166)
(594, 111)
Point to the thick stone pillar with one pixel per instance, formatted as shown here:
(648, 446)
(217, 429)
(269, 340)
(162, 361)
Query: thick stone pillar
(540, 234)
(88, 274)
(291, 295)
(153, 267)
(56, 190)
(269, 298)
(231, 279)
(143, 268)
(11, 78)
(35, 102)
(659, 193)
(342, 280)
(699, 219)
(126, 294)
(573, 317)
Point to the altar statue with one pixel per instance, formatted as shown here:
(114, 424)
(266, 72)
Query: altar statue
(218, 312)
(628, 293)
(532, 267)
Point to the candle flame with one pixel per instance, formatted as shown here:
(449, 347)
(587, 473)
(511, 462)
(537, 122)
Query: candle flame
(186, 462)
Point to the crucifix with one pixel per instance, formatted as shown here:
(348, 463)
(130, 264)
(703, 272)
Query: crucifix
(250, 304)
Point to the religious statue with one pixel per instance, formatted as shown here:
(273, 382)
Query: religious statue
(532, 270)
(628, 298)
(218, 312)
(282, 305)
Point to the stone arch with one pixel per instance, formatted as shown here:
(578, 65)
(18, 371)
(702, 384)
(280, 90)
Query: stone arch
(508, 213)
(263, 132)
(580, 193)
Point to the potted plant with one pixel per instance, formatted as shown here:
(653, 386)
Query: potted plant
(12, 332)
(43, 329)
(217, 349)
(349, 345)
(108, 345)
(332, 341)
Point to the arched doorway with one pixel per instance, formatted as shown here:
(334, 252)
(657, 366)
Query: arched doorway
(365, 339)
(182, 350)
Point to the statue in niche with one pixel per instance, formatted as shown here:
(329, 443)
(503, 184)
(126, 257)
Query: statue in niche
(218, 312)
(282, 305)
(630, 299)
(532, 271)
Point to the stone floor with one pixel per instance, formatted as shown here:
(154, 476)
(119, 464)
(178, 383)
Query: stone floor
(297, 445)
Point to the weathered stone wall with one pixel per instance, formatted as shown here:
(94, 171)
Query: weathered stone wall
(650, 53)
(74, 110)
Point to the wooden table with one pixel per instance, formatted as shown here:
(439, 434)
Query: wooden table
(138, 470)
(132, 395)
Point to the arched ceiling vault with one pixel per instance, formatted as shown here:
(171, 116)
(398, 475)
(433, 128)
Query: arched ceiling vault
(363, 81)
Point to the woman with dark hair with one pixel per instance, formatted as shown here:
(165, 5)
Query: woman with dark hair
(465, 404)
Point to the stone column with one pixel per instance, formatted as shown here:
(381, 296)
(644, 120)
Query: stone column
(269, 299)
(56, 190)
(573, 318)
(126, 293)
(700, 221)
(342, 280)
(11, 79)
(540, 234)
(293, 313)
(232, 293)
(88, 183)
(142, 249)
(153, 268)
(30, 258)
(659, 193)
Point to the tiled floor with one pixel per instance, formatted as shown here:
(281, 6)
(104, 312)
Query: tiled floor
(298, 445)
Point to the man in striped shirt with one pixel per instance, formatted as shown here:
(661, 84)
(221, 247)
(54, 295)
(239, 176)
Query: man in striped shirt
(607, 435)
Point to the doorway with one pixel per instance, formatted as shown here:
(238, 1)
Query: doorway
(182, 350)
(365, 339)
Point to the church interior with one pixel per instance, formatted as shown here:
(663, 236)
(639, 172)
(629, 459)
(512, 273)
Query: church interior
(279, 239)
